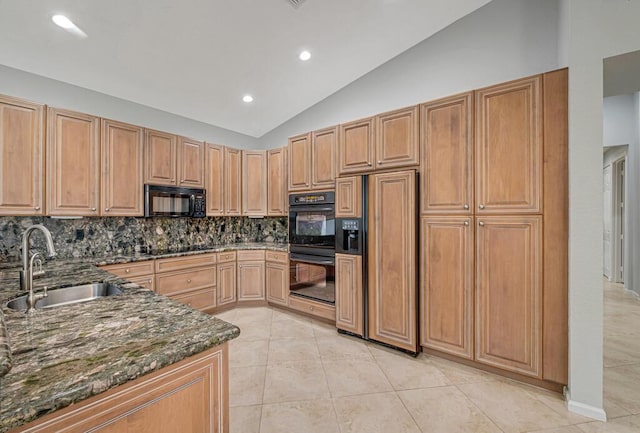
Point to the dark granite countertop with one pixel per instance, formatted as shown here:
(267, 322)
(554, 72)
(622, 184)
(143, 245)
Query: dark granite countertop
(64, 355)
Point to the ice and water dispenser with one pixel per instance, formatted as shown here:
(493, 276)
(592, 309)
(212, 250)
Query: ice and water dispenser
(349, 236)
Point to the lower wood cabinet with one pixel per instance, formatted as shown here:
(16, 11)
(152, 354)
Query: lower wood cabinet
(251, 270)
(141, 273)
(191, 280)
(277, 277)
(349, 293)
(189, 396)
(226, 278)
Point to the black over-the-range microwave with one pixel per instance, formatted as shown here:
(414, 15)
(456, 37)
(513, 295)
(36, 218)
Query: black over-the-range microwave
(172, 201)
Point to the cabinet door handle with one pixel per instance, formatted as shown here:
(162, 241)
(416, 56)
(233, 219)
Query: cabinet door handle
(481, 206)
(379, 162)
(369, 164)
(106, 209)
(466, 206)
(93, 209)
(481, 224)
(466, 223)
(37, 208)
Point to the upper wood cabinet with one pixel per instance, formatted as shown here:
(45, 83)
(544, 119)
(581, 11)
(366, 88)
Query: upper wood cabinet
(323, 158)
(190, 163)
(349, 293)
(508, 293)
(276, 182)
(299, 162)
(509, 147)
(254, 182)
(73, 163)
(161, 164)
(232, 181)
(446, 284)
(447, 156)
(356, 146)
(21, 157)
(214, 179)
(392, 247)
(397, 138)
(349, 197)
(122, 171)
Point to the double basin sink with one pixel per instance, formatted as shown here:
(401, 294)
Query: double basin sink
(68, 295)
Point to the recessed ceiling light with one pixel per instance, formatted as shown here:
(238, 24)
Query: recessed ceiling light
(247, 98)
(304, 56)
(68, 25)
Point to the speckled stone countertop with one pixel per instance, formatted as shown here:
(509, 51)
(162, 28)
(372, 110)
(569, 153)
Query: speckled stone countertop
(66, 354)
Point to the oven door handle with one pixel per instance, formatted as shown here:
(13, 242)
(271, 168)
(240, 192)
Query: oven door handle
(293, 208)
(313, 259)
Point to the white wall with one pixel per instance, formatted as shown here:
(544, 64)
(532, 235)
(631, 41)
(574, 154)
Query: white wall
(620, 125)
(37, 88)
(592, 30)
(506, 39)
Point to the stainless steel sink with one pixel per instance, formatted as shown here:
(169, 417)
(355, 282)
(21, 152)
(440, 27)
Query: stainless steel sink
(68, 295)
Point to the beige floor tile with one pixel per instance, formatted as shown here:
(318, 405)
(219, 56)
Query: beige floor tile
(351, 377)
(245, 419)
(556, 402)
(342, 347)
(374, 413)
(408, 373)
(246, 385)
(293, 349)
(446, 410)
(295, 381)
(513, 408)
(613, 410)
(289, 315)
(628, 424)
(567, 429)
(227, 316)
(248, 353)
(459, 373)
(253, 331)
(289, 328)
(315, 416)
(380, 350)
(256, 314)
(621, 350)
(622, 387)
(323, 329)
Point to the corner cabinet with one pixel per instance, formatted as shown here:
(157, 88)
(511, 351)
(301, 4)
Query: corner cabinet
(73, 163)
(214, 179)
(254, 182)
(277, 198)
(22, 157)
(232, 182)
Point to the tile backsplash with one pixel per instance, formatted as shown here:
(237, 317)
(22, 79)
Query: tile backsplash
(99, 237)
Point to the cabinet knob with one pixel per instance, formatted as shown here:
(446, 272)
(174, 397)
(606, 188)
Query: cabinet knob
(93, 209)
(466, 223)
(106, 209)
(379, 162)
(149, 281)
(127, 270)
(181, 180)
(481, 206)
(37, 208)
(466, 206)
(369, 164)
(310, 308)
(189, 281)
(173, 180)
(481, 224)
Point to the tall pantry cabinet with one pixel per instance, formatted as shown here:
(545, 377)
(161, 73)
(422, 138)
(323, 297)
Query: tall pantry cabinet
(485, 215)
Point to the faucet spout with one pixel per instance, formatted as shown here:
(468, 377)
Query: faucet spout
(51, 251)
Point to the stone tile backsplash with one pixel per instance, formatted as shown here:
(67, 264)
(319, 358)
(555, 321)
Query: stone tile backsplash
(98, 237)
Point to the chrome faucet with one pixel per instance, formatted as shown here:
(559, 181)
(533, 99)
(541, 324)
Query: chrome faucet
(27, 273)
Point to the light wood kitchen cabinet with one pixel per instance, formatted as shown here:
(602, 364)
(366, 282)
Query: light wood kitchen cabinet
(323, 151)
(254, 182)
(227, 278)
(191, 280)
(509, 147)
(214, 179)
(508, 293)
(277, 198)
(356, 146)
(232, 182)
(21, 157)
(141, 273)
(190, 163)
(191, 395)
(349, 293)
(447, 278)
(73, 163)
(251, 270)
(349, 197)
(397, 138)
(392, 247)
(447, 156)
(299, 168)
(122, 185)
(277, 277)
(160, 153)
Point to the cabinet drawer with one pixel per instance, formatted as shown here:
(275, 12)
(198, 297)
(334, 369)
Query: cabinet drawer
(198, 299)
(135, 269)
(182, 281)
(278, 257)
(314, 308)
(147, 282)
(179, 263)
(251, 255)
(227, 256)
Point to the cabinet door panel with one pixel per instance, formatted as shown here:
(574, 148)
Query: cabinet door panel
(254, 182)
(232, 182)
(299, 163)
(226, 283)
(161, 166)
(323, 151)
(191, 163)
(392, 247)
(73, 161)
(508, 294)
(397, 138)
(447, 274)
(276, 182)
(349, 197)
(277, 283)
(214, 174)
(349, 293)
(447, 155)
(122, 184)
(250, 280)
(509, 147)
(21, 157)
(356, 146)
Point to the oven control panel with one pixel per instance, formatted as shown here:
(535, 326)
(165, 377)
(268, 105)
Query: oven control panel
(312, 198)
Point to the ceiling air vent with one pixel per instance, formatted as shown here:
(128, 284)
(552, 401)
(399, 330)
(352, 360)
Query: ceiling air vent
(296, 3)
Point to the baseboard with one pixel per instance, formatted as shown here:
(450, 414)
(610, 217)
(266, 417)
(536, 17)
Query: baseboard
(586, 410)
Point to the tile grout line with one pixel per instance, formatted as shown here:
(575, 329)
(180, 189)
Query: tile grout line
(479, 409)
(326, 380)
(264, 383)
